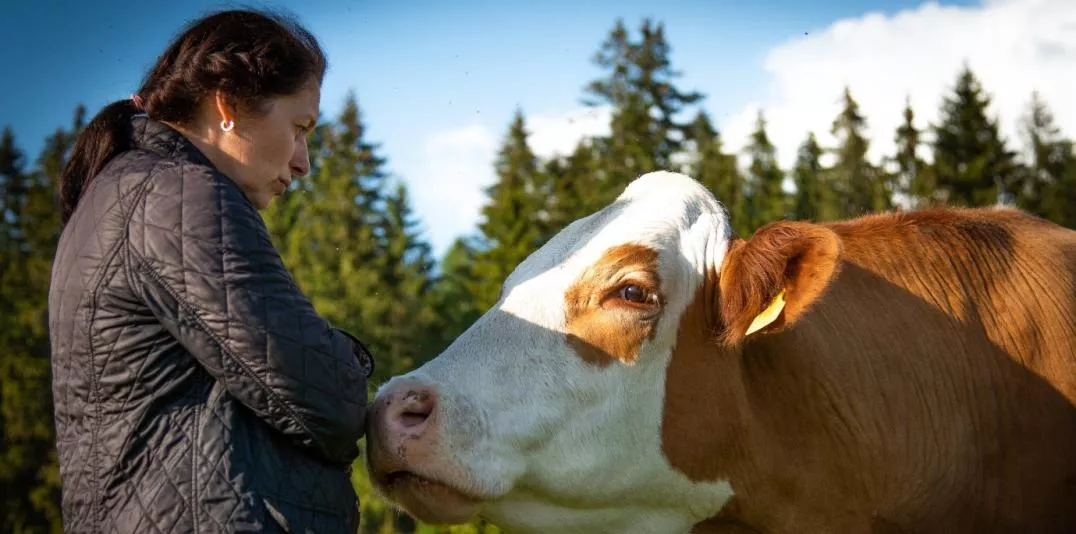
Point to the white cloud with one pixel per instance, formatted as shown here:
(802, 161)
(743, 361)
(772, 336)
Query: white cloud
(1013, 47)
(447, 182)
(560, 134)
(448, 186)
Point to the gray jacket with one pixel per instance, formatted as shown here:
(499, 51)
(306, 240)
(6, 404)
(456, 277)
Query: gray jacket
(195, 388)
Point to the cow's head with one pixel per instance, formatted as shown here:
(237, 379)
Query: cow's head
(553, 412)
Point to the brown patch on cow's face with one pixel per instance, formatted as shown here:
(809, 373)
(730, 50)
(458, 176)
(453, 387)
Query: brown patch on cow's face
(613, 307)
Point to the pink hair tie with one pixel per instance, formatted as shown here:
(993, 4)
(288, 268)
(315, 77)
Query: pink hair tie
(137, 101)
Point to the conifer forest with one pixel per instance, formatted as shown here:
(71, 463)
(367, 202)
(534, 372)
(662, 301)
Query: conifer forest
(351, 238)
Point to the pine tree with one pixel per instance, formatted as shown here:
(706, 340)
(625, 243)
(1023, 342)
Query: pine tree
(24, 427)
(452, 295)
(861, 184)
(567, 189)
(509, 226)
(29, 473)
(767, 201)
(664, 98)
(409, 321)
(1048, 188)
(640, 85)
(13, 183)
(558, 193)
(814, 199)
(334, 244)
(915, 177)
(1061, 204)
(973, 166)
(627, 152)
(717, 170)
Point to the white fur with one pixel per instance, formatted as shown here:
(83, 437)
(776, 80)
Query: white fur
(564, 446)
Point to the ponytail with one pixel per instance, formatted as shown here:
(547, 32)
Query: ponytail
(106, 136)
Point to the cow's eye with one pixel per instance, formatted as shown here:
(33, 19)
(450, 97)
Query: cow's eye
(634, 293)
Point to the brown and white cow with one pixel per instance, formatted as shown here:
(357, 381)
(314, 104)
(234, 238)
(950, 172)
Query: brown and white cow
(646, 371)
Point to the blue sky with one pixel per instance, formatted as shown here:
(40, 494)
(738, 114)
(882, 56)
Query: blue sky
(422, 68)
(413, 65)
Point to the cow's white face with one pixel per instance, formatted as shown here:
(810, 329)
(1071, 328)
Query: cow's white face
(545, 414)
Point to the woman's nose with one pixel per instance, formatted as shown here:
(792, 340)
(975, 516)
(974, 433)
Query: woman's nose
(300, 160)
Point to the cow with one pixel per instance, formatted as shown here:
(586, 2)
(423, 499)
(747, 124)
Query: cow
(649, 371)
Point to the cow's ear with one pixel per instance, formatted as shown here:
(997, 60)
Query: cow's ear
(768, 281)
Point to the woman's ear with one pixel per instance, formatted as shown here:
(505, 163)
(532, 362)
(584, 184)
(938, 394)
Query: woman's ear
(225, 110)
(769, 281)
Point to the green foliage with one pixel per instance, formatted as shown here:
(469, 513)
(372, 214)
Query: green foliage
(510, 223)
(767, 199)
(718, 171)
(639, 83)
(973, 167)
(1048, 185)
(348, 234)
(914, 179)
(861, 185)
(814, 199)
(29, 229)
(451, 295)
(568, 189)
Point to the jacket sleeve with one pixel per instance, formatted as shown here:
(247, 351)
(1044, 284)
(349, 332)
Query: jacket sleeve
(207, 268)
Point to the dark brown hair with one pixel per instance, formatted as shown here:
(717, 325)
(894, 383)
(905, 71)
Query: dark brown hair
(250, 55)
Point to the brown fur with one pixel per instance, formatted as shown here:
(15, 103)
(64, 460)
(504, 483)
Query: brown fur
(928, 387)
(797, 257)
(601, 328)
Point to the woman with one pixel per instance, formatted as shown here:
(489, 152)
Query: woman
(196, 389)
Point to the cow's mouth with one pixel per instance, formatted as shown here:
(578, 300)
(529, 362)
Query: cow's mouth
(429, 500)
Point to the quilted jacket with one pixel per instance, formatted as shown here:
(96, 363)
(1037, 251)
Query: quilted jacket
(195, 388)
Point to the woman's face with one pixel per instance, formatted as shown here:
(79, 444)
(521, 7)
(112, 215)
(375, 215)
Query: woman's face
(265, 151)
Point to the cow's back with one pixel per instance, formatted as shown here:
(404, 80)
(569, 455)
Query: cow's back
(1002, 271)
(931, 388)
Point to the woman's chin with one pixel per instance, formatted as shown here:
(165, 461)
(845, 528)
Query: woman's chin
(430, 501)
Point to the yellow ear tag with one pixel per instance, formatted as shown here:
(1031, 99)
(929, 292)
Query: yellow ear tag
(768, 315)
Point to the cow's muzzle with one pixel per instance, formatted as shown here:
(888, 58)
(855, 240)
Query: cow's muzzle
(405, 457)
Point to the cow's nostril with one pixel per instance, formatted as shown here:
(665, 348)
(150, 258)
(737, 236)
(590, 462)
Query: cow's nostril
(409, 419)
(413, 409)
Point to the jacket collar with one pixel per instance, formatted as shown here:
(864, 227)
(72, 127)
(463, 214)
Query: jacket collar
(161, 139)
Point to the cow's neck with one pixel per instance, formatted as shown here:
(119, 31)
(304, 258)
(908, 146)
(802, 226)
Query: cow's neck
(706, 427)
(740, 416)
(707, 424)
